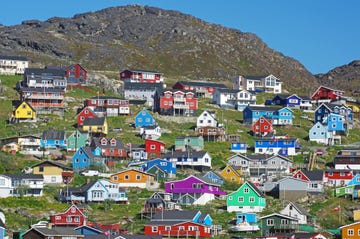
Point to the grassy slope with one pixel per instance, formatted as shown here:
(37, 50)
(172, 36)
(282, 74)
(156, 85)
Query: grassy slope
(31, 209)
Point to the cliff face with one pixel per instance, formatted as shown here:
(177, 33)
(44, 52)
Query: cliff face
(134, 36)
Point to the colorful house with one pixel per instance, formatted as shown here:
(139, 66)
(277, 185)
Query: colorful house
(278, 223)
(262, 126)
(201, 88)
(232, 174)
(179, 223)
(84, 158)
(168, 167)
(239, 147)
(76, 140)
(326, 94)
(271, 145)
(319, 133)
(52, 171)
(214, 177)
(96, 126)
(335, 123)
(154, 148)
(144, 118)
(314, 179)
(134, 178)
(141, 76)
(73, 216)
(252, 113)
(193, 143)
(75, 75)
(340, 177)
(194, 190)
(108, 106)
(293, 101)
(350, 231)
(23, 112)
(109, 148)
(53, 139)
(85, 113)
(198, 160)
(159, 174)
(283, 116)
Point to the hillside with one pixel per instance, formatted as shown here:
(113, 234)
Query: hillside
(179, 45)
(346, 77)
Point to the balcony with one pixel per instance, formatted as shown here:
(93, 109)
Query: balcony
(180, 106)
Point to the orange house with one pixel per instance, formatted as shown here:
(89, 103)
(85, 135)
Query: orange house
(350, 231)
(134, 178)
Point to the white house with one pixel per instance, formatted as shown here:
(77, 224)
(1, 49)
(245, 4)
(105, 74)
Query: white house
(267, 83)
(295, 210)
(21, 184)
(150, 132)
(207, 118)
(13, 65)
(200, 160)
(233, 98)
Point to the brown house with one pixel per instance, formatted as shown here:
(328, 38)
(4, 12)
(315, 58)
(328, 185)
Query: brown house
(211, 133)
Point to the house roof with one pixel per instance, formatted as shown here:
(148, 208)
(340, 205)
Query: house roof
(53, 134)
(88, 151)
(348, 160)
(316, 175)
(53, 163)
(175, 215)
(162, 90)
(15, 58)
(349, 225)
(97, 142)
(279, 215)
(263, 108)
(58, 231)
(42, 90)
(94, 121)
(142, 71)
(255, 188)
(202, 83)
(143, 86)
(29, 105)
(104, 97)
(299, 208)
(56, 71)
(25, 176)
(191, 154)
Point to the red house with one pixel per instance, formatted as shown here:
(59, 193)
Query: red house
(175, 102)
(338, 177)
(141, 76)
(324, 93)
(179, 224)
(201, 88)
(262, 126)
(75, 75)
(73, 216)
(154, 148)
(85, 113)
(108, 106)
(110, 148)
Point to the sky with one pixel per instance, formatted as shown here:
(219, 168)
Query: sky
(321, 34)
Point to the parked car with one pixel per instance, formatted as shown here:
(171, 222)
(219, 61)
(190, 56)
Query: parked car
(90, 173)
(319, 152)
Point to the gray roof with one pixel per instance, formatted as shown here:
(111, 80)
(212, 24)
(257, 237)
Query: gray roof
(178, 154)
(94, 121)
(53, 134)
(185, 215)
(60, 165)
(263, 108)
(15, 58)
(89, 152)
(142, 86)
(97, 143)
(58, 231)
(255, 189)
(42, 89)
(49, 70)
(202, 83)
(300, 208)
(25, 176)
(139, 70)
(314, 175)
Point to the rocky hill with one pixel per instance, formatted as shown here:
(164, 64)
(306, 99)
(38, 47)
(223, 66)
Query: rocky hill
(346, 77)
(134, 36)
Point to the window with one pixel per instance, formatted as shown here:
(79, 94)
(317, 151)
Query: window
(167, 228)
(350, 232)
(2, 181)
(126, 177)
(240, 199)
(181, 228)
(251, 199)
(284, 222)
(246, 190)
(41, 169)
(53, 179)
(154, 229)
(138, 176)
(230, 198)
(270, 222)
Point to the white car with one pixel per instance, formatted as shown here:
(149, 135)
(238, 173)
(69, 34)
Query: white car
(90, 173)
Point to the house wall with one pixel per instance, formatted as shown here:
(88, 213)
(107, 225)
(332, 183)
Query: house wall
(345, 231)
(52, 174)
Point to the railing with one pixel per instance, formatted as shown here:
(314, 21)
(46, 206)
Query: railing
(180, 106)
(41, 96)
(38, 104)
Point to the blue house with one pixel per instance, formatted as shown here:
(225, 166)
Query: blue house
(321, 112)
(292, 101)
(283, 116)
(335, 123)
(144, 118)
(84, 158)
(214, 177)
(53, 139)
(279, 116)
(355, 181)
(239, 147)
(168, 167)
(87, 230)
(281, 146)
(320, 134)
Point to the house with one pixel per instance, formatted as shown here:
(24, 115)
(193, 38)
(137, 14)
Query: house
(279, 116)
(13, 65)
(108, 106)
(76, 140)
(154, 148)
(150, 132)
(232, 174)
(137, 152)
(109, 148)
(319, 133)
(291, 189)
(89, 230)
(283, 116)
(278, 223)
(29, 144)
(185, 143)
(234, 99)
(100, 190)
(11, 147)
(54, 232)
(239, 147)
(201, 88)
(75, 75)
(193, 190)
(210, 133)
(214, 177)
(144, 118)
(293, 209)
(321, 112)
(207, 118)
(141, 76)
(266, 83)
(336, 124)
(53, 172)
(159, 173)
(179, 223)
(262, 126)
(160, 201)
(95, 126)
(141, 92)
(347, 159)
(23, 112)
(275, 145)
(245, 222)
(168, 167)
(175, 102)
(248, 198)
(314, 179)
(339, 177)
(73, 216)
(85, 113)
(84, 158)
(21, 185)
(198, 160)
(293, 101)
(350, 231)
(53, 138)
(134, 178)
(326, 94)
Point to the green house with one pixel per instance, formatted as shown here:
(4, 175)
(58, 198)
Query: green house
(159, 174)
(343, 191)
(248, 198)
(278, 223)
(184, 143)
(76, 140)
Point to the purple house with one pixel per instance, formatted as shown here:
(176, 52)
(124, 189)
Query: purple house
(195, 190)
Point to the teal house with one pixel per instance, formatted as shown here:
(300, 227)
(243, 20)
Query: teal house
(184, 143)
(76, 140)
(278, 223)
(248, 198)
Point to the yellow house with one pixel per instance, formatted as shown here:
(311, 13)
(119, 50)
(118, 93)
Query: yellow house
(134, 178)
(10, 148)
(24, 111)
(53, 172)
(95, 125)
(232, 174)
